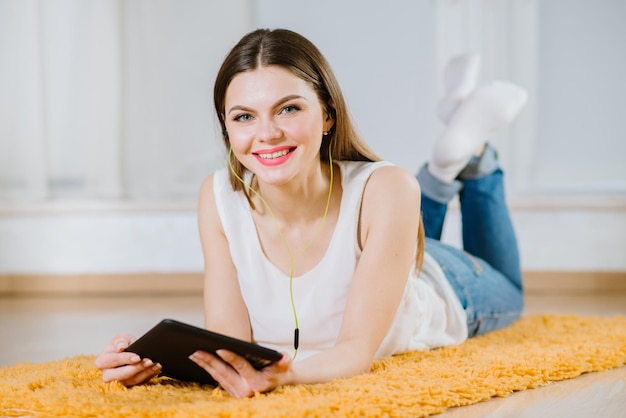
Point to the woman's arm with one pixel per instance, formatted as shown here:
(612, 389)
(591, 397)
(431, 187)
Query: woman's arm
(389, 222)
(224, 308)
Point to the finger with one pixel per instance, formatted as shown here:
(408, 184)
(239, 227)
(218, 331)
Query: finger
(269, 377)
(250, 379)
(227, 377)
(239, 363)
(207, 361)
(113, 360)
(143, 376)
(283, 364)
(118, 343)
(127, 373)
(121, 342)
(239, 384)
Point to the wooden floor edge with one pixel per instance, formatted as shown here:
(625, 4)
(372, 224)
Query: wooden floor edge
(575, 281)
(191, 283)
(101, 284)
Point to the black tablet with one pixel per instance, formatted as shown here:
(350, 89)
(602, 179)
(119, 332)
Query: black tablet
(171, 342)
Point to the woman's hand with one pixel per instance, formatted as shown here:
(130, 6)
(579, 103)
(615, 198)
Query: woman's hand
(237, 376)
(128, 368)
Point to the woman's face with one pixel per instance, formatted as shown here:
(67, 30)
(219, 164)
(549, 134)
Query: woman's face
(275, 123)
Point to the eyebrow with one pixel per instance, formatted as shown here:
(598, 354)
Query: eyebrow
(278, 103)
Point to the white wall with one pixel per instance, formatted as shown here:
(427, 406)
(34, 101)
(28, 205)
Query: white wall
(100, 241)
(383, 54)
(581, 141)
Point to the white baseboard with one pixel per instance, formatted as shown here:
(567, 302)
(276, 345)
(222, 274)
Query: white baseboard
(101, 284)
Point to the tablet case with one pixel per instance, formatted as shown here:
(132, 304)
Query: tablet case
(171, 342)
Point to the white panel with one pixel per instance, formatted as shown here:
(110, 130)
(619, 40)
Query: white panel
(173, 50)
(100, 242)
(581, 141)
(382, 54)
(22, 166)
(504, 35)
(82, 96)
(562, 240)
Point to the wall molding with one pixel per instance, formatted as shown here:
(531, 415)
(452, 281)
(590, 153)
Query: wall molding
(191, 283)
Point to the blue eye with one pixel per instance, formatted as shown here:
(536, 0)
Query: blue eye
(290, 109)
(243, 118)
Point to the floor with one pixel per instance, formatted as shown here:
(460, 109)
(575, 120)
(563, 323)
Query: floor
(39, 329)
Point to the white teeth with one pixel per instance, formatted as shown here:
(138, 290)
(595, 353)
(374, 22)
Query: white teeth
(274, 154)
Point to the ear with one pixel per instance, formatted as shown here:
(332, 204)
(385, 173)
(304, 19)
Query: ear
(331, 112)
(328, 124)
(331, 116)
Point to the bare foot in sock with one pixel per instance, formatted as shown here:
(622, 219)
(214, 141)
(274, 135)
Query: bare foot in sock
(459, 81)
(488, 109)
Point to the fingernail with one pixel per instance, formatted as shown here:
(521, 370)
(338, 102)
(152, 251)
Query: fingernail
(156, 367)
(120, 346)
(135, 359)
(147, 362)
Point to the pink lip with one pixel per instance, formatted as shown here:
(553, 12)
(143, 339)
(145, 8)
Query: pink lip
(273, 161)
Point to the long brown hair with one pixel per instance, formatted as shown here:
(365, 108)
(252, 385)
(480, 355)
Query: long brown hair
(295, 53)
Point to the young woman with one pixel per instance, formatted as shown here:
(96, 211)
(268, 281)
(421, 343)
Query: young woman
(315, 247)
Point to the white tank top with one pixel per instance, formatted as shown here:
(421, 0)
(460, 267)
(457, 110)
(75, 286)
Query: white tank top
(429, 315)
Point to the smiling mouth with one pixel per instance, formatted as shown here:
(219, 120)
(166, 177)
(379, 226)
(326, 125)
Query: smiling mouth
(274, 155)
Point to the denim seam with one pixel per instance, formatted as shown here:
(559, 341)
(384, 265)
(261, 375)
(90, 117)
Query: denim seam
(478, 268)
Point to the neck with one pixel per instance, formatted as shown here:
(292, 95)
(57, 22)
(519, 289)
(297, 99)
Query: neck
(300, 200)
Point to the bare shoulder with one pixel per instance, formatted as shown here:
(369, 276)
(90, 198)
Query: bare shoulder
(206, 188)
(390, 208)
(207, 207)
(391, 182)
(206, 196)
(391, 196)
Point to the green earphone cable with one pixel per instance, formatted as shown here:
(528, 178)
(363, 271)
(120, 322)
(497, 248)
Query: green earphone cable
(292, 261)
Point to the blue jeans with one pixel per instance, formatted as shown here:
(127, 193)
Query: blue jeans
(486, 274)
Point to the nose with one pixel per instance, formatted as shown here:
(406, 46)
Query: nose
(268, 130)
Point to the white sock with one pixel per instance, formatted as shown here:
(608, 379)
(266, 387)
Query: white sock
(459, 79)
(484, 112)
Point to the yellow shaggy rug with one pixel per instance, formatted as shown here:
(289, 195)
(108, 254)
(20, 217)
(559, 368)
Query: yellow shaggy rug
(536, 350)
